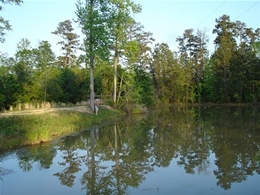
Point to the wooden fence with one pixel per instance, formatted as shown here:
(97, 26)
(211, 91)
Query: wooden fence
(45, 105)
(48, 105)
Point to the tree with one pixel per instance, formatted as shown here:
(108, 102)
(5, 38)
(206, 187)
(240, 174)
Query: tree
(23, 69)
(144, 87)
(137, 48)
(161, 67)
(44, 60)
(8, 87)
(225, 46)
(137, 54)
(69, 44)
(235, 61)
(92, 17)
(44, 56)
(104, 78)
(192, 49)
(243, 63)
(4, 24)
(67, 81)
(256, 49)
(120, 19)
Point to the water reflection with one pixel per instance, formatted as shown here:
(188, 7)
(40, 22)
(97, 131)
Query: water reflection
(4, 172)
(115, 159)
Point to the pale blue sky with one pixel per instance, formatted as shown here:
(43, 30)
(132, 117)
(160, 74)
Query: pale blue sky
(166, 19)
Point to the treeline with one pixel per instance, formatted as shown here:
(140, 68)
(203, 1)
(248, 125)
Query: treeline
(144, 75)
(230, 74)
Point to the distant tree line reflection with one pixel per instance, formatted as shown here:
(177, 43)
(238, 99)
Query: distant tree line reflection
(110, 159)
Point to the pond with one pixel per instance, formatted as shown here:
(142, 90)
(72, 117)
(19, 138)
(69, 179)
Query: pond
(178, 150)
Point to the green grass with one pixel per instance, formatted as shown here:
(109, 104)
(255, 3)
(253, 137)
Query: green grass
(33, 129)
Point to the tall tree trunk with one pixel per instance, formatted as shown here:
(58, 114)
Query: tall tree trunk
(92, 92)
(115, 73)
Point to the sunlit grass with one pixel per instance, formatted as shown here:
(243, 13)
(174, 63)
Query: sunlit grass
(34, 129)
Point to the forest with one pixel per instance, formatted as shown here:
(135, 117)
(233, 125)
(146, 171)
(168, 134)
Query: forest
(121, 61)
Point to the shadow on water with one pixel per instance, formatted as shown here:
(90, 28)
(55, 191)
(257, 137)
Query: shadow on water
(116, 158)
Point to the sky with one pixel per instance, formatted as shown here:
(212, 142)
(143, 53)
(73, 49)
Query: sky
(166, 19)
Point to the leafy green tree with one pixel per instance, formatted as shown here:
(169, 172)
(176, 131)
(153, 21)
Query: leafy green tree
(69, 44)
(225, 47)
(234, 61)
(23, 70)
(44, 56)
(82, 83)
(92, 17)
(8, 84)
(245, 59)
(255, 72)
(193, 52)
(68, 82)
(44, 60)
(4, 24)
(53, 87)
(256, 48)
(171, 80)
(65, 85)
(137, 48)
(8, 88)
(137, 53)
(5, 60)
(202, 60)
(144, 87)
(210, 94)
(104, 79)
(120, 19)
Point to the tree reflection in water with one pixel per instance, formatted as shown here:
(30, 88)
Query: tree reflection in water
(43, 155)
(4, 172)
(111, 159)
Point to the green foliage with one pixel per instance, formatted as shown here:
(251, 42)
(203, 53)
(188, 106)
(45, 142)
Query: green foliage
(256, 48)
(44, 56)
(138, 75)
(193, 55)
(69, 44)
(104, 79)
(171, 80)
(119, 20)
(4, 24)
(143, 82)
(209, 83)
(92, 17)
(8, 88)
(233, 61)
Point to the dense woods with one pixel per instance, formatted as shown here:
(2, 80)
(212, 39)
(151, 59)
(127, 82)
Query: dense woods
(120, 60)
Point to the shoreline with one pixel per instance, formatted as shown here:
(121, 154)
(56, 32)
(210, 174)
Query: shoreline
(29, 127)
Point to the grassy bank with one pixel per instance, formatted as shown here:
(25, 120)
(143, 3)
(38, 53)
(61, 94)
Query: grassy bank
(33, 129)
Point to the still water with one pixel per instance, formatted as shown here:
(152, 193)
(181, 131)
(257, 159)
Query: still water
(201, 150)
